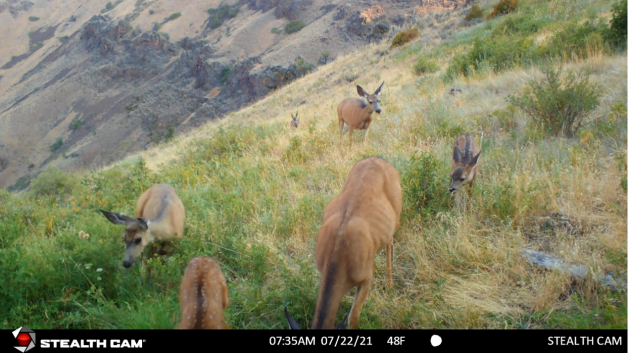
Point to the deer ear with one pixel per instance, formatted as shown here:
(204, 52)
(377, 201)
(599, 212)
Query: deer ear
(361, 92)
(475, 159)
(457, 154)
(116, 218)
(378, 90)
(143, 222)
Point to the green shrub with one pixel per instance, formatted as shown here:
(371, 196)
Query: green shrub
(474, 13)
(63, 39)
(325, 55)
(33, 18)
(425, 184)
(275, 30)
(518, 25)
(54, 182)
(294, 26)
(220, 14)
(225, 72)
(404, 37)
(54, 147)
(76, 124)
(170, 135)
(109, 6)
(575, 40)
(618, 25)
(425, 65)
(174, 16)
(558, 104)
(504, 7)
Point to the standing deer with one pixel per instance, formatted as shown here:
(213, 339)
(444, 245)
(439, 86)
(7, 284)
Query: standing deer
(295, 122)
(465, 166)
(356, 113)
(159, 215)
(203, 295)
(357, 224)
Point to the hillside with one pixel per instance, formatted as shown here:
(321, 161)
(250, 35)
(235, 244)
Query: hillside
(85, 83)
(255, 190)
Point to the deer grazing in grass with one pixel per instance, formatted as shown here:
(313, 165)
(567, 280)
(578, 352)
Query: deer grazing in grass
(159, 215)
(357, 224)
(465, 166)
(356, 113)
(295, 122)
(203, 295)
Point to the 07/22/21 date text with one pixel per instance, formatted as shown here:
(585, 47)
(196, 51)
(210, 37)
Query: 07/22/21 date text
(334, 341)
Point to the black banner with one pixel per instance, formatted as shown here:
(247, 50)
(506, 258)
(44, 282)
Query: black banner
(336, 341)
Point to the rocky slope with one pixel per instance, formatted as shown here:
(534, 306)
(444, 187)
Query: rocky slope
(83, 83)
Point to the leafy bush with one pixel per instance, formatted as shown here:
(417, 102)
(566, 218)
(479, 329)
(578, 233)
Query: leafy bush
(76, 124)
(618, 25)
(558, 104)
(404, 37)
(174, 16)
(294, 26)
(425, 65)
(325, 55)
(504, 7)
(276, 30)
(517, 25)
(53, 182)
(425, 184)
(474, 13)
(225, 72)
(220, 14)
(170, 135)
(63, 39)
(54, 147)
(109, 6)
(33, 18)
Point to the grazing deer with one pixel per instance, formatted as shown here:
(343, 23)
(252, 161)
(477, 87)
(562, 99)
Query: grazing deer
(159, 215)
(464, 163)
(203, 295)
(357, 224)
(295, 122)
(356, 113)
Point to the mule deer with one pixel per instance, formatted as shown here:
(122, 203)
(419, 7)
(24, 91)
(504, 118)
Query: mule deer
(465, 166)
(203, 295)
(159, 215)
(356, 113)
(295, 122)
(357, 224)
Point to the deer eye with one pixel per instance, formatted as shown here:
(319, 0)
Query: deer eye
(138, 240)
(462, 179)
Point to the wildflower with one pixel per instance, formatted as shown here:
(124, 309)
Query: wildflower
(99, 269)
(83, 235)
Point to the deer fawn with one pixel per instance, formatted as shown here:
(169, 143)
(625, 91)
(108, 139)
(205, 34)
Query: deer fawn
(203, 295)
(356, 113)
(159, 215)
(357, 224)
(295, 122)
(464, 163)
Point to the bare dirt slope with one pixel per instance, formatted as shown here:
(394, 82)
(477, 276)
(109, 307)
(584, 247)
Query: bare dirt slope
(84, 83)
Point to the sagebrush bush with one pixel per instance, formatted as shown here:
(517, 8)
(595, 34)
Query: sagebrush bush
(425, 65)
(575, 41)
(503, 7)
(404, 37)
(174, 16)
(54, 182)
(294, 26)
(558, 103)
(474, 13)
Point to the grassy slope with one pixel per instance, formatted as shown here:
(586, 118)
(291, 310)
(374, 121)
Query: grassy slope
(255, 191)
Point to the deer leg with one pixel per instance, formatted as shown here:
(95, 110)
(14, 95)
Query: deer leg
(351, 132)
(341, 124)
(361, 295)
(367, 134)
(390, 263)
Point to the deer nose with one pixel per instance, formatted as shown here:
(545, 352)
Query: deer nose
(126, 264)
(378, 110)
(452, 189)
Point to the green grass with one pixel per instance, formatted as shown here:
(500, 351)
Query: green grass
(255, 192)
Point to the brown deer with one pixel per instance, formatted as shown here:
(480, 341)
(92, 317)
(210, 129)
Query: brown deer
(356, 113)
(159, 215)
(295, 122)
(203, 295)
(465, 166)
(357, 224)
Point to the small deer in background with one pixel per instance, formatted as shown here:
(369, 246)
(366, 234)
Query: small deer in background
(356, 113)
(465, 166)
(295, 122)
(357, 224)
(203, 295)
